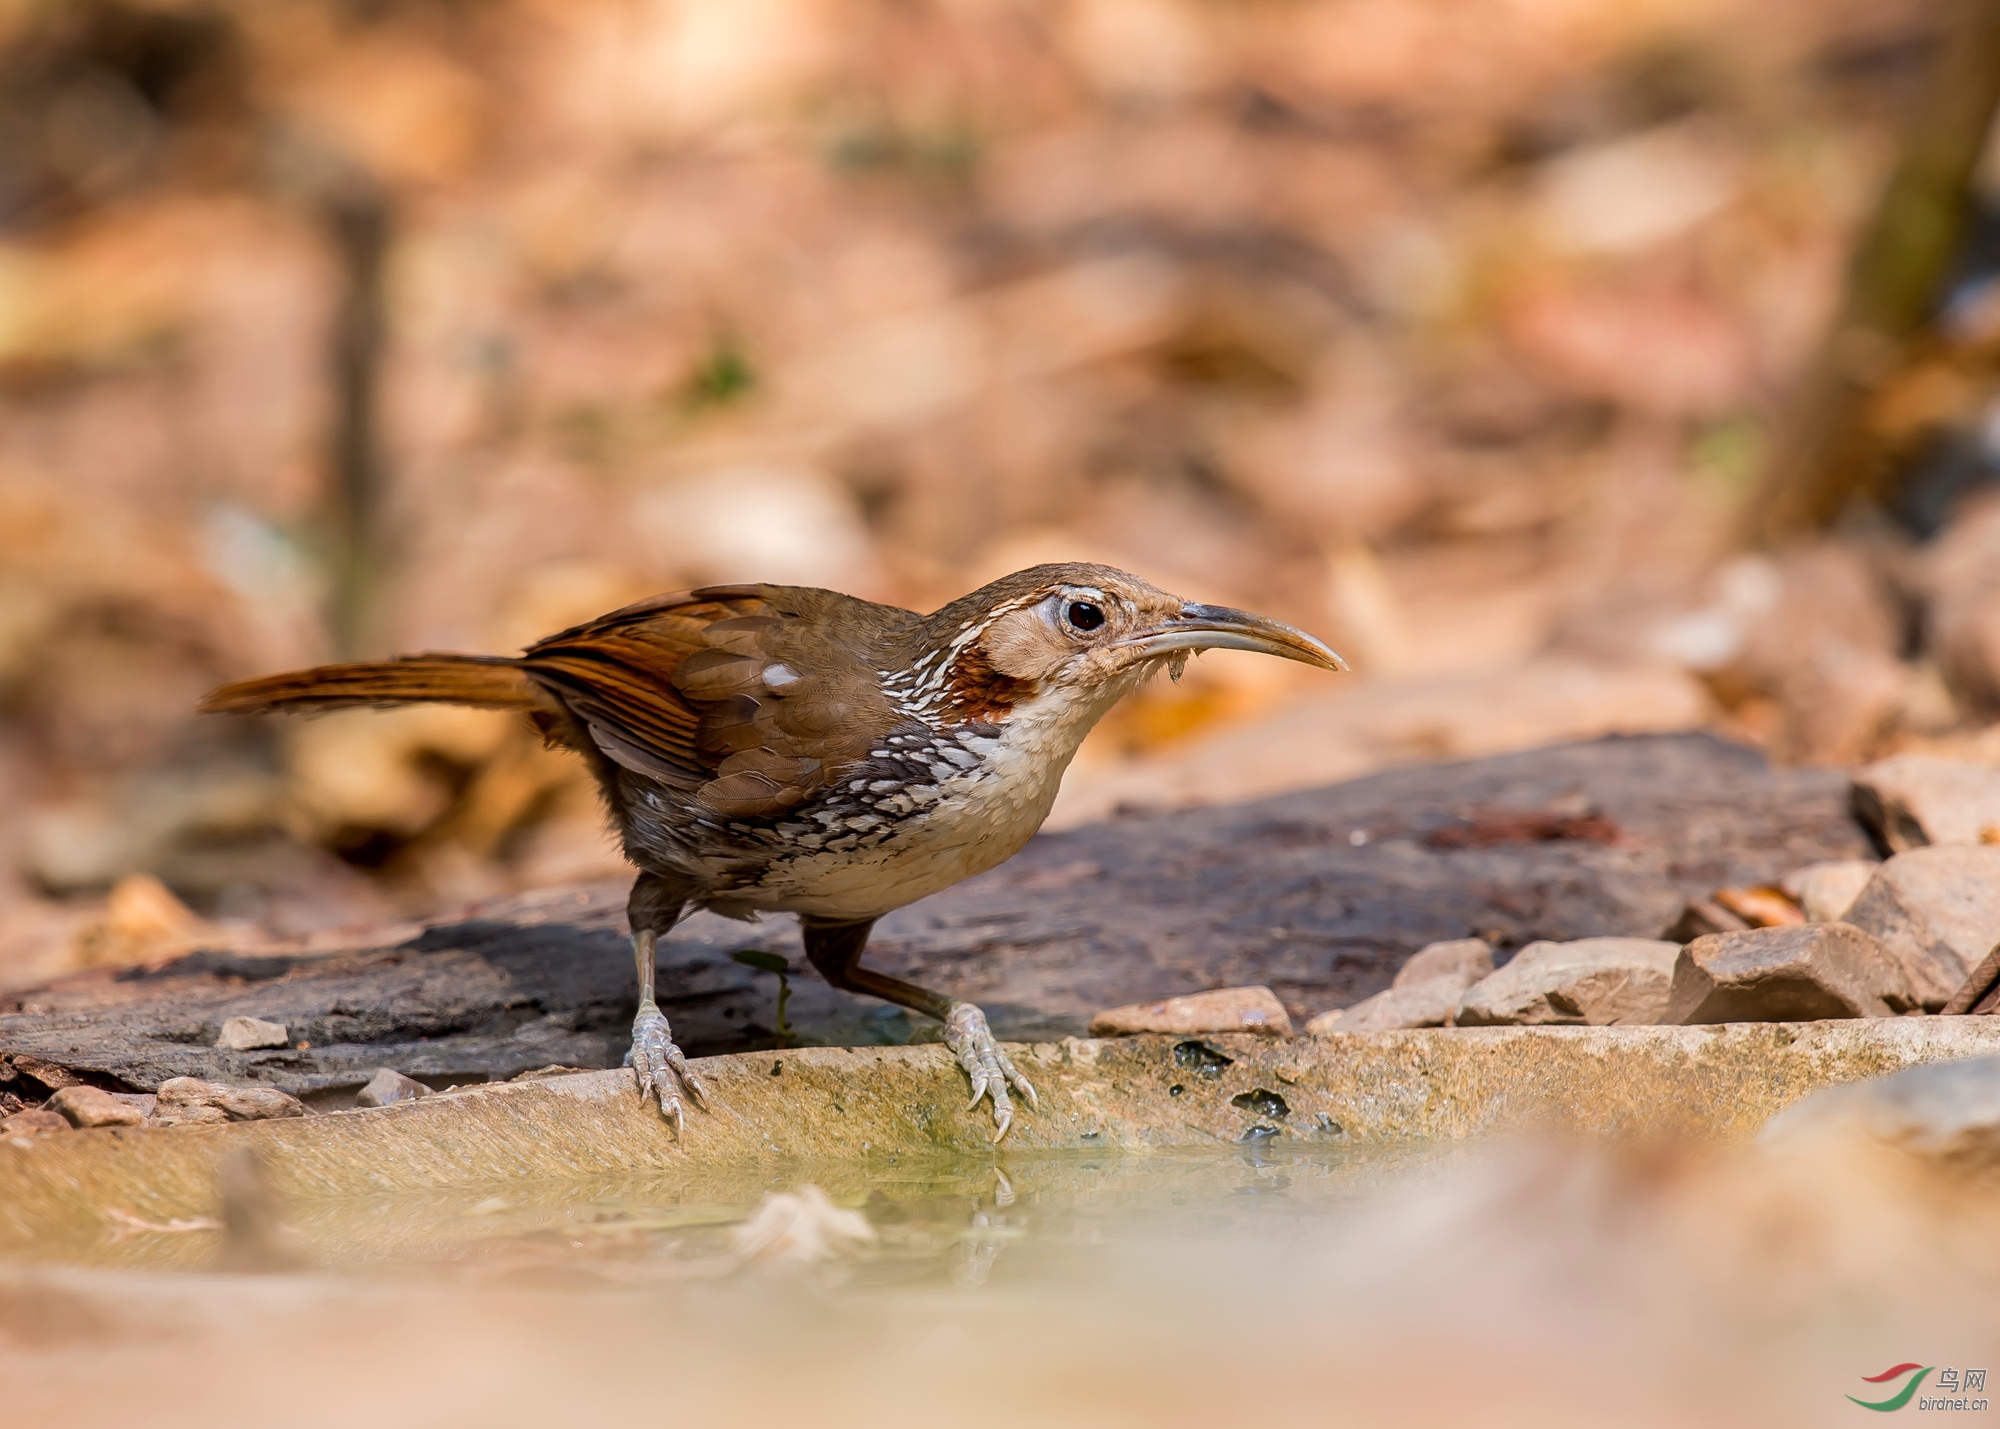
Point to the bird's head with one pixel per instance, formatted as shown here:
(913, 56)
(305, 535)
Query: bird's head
(1072, 638)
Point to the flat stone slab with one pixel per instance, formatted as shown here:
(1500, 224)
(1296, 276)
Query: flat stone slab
(827, 1106)
(1320, 896)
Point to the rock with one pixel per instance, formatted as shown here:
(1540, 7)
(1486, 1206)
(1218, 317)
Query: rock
(1429, 1004)
(37, 1072)
(1816, 630)
(1937, 911)
(1701, 917)
(1949, 1111)
(1598, 981)
(554, 1069)
(1912, 800)
(1463, 961)
(1809, 973)
(244, 1034)
(1229, 1009)
(33, 1122)
(1425, 993)
(189, 1100)
(1962, 575)
(1825, 891)
(88, 1106)
(389, 1086)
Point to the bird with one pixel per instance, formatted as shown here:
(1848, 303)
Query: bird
(787, 749)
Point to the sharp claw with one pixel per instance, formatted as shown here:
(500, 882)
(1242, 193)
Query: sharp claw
(660, 1070)
(969, 1038)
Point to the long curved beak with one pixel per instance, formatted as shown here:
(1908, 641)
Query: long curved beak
(1217, 627)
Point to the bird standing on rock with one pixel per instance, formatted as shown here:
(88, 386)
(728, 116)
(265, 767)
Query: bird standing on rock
(768, 748)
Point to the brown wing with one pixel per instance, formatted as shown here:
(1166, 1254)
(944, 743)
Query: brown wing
(721, 693)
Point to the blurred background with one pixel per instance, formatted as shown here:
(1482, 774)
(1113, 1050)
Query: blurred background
(1573, 366)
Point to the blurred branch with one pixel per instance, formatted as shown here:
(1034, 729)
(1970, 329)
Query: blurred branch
(358, 223)
(1825, 459)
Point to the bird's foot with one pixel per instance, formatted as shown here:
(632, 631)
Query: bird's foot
(971, 1041)
(658, 1066)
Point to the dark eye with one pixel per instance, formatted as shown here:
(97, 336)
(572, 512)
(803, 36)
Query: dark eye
(1082, 615)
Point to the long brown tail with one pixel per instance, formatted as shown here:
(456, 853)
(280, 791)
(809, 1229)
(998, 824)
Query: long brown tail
(483, 680)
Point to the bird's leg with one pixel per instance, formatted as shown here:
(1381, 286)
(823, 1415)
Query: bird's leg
(657, 1064)
(835, 950)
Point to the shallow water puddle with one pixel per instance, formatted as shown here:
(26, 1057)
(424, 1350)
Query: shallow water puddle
(1425, 1283)
(924, 1219)
(1436, 1226)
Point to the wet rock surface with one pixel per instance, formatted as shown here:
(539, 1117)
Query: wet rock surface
(1937, 911)
(1596, 982)
(1798, 974)
(1321, 896)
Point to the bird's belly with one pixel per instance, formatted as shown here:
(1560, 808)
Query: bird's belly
(978, 824)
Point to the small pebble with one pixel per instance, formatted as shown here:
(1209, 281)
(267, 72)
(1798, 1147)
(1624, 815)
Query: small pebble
(389, 1086)
(90, 1106)
(1230, 1009)
(191, 1101)
(33, 1122)
(244, 1034)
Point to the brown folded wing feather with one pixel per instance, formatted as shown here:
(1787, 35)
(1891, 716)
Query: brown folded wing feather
(615, 676)
(722, 693)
